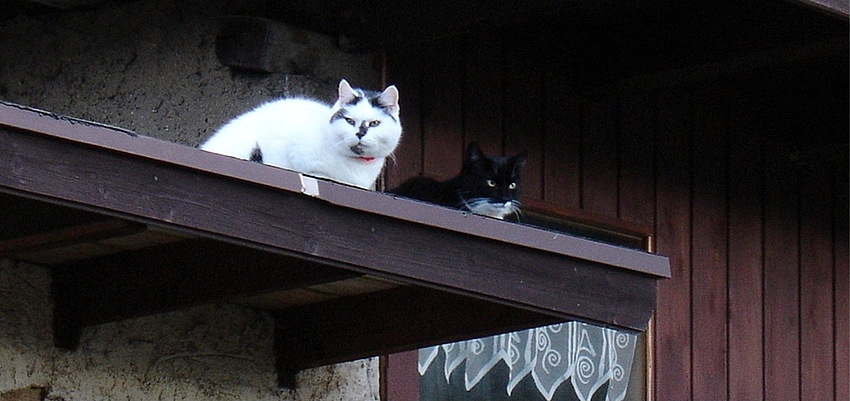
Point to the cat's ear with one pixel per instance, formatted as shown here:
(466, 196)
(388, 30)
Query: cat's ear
(473, 152)
(389, 100)
(346, 92)
(519, 161)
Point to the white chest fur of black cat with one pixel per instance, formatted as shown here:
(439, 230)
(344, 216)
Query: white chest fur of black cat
(346, 142)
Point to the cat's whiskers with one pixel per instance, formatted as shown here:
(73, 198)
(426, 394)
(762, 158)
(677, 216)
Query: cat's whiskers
(486, 207)
(516, 210)
(465, 204)
(367, 146)
(474, 204)
(347, 147)
(343, 144)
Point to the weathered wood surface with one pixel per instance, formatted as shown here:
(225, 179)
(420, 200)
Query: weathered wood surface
(247, 229)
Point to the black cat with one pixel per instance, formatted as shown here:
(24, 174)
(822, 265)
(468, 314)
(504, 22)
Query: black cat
(486, 185)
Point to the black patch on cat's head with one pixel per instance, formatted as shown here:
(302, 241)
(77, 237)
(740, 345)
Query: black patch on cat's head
(354, 101)
(339, 114)
(256, 154)
(387, 101)
(374, 99)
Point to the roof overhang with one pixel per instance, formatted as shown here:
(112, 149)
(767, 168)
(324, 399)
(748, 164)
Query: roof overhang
(131, 225)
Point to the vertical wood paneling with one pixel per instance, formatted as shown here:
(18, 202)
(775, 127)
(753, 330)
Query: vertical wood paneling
(757, 306)
(672, 318)
(442, 108)
(841, 303)
(599, 157)
(781, 278)
(816, 275)
(523, 105)
(708, 254)
(637, 172)
(746, 348)
(482, 102)
(562, 143)
(403, 72)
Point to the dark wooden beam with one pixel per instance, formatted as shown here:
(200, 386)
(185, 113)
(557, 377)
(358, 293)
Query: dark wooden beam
(99, 230)
(167, 277)
(540, 274)
(24, 217)
(267, 229)
(400, 319)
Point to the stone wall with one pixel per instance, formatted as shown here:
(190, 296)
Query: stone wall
(214, 352)
(150, 66)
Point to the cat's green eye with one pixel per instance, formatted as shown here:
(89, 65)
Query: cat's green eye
(374, 123)
(512, 186)
(491, 183)
(350, 121)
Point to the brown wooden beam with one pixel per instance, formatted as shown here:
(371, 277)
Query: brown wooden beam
(436, 248)
(399, 319)
(464, 275)
(24, 217)
(171, 276)
(95, 231)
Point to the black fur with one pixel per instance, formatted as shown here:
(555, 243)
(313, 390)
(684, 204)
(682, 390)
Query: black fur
(256, 154)
(483, 179)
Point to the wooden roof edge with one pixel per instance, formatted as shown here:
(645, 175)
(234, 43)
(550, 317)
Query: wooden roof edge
(588, 218)
(125, 141)
(326, 223)
(455, 220)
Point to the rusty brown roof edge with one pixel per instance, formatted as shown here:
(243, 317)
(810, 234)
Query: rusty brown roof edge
(125, 141)
(455, 220)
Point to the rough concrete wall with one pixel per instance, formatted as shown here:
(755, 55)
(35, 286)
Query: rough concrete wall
(216, 352)
(150, 66)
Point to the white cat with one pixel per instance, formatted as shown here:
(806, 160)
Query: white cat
(347, 142)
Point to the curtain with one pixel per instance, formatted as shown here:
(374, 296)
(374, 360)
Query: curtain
(585, 356)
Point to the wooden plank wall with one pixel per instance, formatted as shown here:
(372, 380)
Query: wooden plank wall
(757, 308)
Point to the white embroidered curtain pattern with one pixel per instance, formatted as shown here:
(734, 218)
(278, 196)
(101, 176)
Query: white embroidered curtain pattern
(591, 356)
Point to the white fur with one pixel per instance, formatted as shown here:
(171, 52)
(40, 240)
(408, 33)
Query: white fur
(497, 210)
(297, 134)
